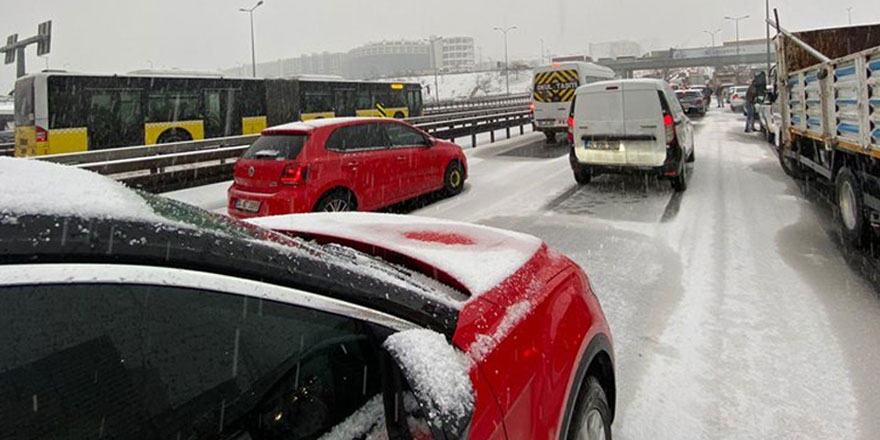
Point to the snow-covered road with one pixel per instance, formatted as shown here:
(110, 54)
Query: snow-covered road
(733, 312)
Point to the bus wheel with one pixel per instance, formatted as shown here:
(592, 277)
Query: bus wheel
(399, 115)
(851, 207)
(174, 135)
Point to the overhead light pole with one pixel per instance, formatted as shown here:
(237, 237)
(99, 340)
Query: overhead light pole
(506, 59)
(737, 20)
(712, 34)
(253, 45)
(436, 67)
(849, 14)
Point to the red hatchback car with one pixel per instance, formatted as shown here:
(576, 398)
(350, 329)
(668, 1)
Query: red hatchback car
(537, 347)
(342, 164)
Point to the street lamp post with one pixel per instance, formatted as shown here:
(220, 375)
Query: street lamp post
(253, 45)
(712, 34)
(737, 20)
(506, 59)
(434, 62)
(849, 14)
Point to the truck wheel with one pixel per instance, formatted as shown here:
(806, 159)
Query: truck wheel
(851, 207)
(790, 167)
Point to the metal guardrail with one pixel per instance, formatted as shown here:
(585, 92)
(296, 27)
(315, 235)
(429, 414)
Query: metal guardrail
(174, 166)
(7, 149)
(446, 106)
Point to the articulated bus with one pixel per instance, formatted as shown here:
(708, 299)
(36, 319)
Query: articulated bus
(59, 112)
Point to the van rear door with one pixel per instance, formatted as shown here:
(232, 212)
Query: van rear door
(552, 95)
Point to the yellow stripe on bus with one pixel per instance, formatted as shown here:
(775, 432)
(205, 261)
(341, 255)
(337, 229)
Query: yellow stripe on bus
(154, 130)
(253, 124)
(68, 140)
(319, 115)
(389, 113)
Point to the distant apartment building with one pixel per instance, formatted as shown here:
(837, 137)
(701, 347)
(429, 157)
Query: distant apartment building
(615, 49)
(387, 58)
(457, 54)
(374, 60)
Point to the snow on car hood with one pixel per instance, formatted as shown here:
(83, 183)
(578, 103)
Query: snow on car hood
(479, 257)
(38, 187)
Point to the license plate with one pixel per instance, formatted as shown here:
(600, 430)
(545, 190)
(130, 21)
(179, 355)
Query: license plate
(602, 145)
(545, 123)
(247, 205)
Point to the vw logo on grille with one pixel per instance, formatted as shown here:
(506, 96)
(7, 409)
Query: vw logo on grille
(251, 171)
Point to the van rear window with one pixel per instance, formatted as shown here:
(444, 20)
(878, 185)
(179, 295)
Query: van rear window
(276, 147)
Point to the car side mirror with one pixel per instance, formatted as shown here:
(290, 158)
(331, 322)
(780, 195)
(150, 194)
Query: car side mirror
(439, 377)
(430, 141)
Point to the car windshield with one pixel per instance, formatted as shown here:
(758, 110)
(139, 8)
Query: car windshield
(625, 219)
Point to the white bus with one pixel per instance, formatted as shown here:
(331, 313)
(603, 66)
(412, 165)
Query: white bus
(553, 90)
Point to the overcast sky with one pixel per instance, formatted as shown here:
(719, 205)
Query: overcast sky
(119, 36)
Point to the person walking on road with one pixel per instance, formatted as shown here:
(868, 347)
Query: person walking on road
(751, 98)
(719, 93)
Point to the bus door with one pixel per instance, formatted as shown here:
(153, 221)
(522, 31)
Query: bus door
(115, 118)
(222, 113)
(344, 100)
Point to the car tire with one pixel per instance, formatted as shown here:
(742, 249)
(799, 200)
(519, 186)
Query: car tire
(337, 201)
(592, 414)
(453, 179)
(850, 207)
(582, 175)
(679, 182)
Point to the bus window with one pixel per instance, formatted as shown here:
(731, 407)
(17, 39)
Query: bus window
(364, 98)
(222, 115)
(317, 102)
(24, 102)
(115, 118)
(344, 102)
(173, 107)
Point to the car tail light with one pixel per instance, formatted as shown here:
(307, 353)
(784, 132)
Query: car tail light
(571, 130)
(42, 135)
(699, 102)
(669, 124)
(735, 97)
(295, 174)
(532, 107)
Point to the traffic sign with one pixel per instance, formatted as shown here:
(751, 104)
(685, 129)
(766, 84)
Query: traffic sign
(10, 53)
(44, 30)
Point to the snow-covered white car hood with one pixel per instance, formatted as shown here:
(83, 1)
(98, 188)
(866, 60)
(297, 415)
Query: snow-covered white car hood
(479, 257)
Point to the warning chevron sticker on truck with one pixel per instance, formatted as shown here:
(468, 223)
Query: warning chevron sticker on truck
(556, 86)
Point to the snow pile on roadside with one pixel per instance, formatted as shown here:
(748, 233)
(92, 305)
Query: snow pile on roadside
(484, 344)
(479, 257)
(458, 86)
(437, 372)
(368, 422)
(37, 187)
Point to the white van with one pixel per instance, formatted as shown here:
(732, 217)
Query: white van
(553, 90)
(626, 126)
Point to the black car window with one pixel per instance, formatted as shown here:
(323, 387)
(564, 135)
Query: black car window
(113, 361)
(403, 136)
(276, 147)
(357, 137)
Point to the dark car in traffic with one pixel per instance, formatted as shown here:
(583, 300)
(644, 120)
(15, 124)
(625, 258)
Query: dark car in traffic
(693, 101)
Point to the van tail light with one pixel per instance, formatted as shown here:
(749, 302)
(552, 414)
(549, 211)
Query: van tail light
(295, 174)
(42, 135)
(532, 107)
(571, 130)
(735, 97)
(669, 124)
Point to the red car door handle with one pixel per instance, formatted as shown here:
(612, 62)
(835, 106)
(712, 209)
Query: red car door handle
(401, 157)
